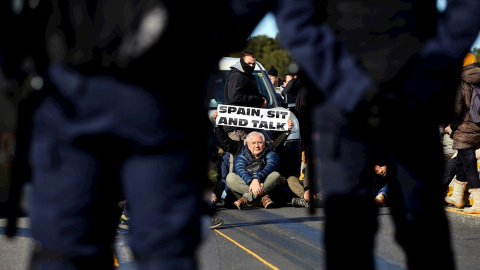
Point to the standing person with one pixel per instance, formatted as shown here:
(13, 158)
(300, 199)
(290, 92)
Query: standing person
(255, 172)
(466, 138)
(277, 82)
(273, 75)
(106, 122)
(292, 87)
(376, 75)
(306, 98)
(241, 90)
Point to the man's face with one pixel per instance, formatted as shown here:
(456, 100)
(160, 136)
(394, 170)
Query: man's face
(256, 145)
(273, 79)
(249, 60)
(381, 170)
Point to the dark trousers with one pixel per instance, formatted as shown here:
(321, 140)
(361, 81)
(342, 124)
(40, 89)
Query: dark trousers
(92, 137)
(466, 166)
(344, 169)
(449, 172)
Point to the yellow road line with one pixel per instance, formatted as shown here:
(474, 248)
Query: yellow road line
(459, 211)
(248, 251)
(115, 262)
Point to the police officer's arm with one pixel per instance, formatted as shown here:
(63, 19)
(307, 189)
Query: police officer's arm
(320, 55)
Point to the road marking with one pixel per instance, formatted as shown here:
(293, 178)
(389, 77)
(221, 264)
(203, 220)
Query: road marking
(248, 251)
(459, 211)
(115, 261)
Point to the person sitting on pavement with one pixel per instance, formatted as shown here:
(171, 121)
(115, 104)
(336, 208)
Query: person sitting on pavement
(255, 172)
(380, 189)
(301, 188)
(234, 147)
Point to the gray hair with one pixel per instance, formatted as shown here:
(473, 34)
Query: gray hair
(255, 133)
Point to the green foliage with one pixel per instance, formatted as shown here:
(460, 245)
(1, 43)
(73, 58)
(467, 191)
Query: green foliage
(269, 52)
(476, 52)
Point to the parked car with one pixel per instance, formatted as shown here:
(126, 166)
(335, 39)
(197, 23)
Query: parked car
(291, 153)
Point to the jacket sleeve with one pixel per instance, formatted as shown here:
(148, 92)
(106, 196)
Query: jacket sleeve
(280, 140)
(227, 144)
(273, 162)
(239, 167)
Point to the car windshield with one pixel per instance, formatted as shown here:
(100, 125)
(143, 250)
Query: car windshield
(216, 85)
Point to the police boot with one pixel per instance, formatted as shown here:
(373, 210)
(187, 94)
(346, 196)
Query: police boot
(456, 198)
(475, 209)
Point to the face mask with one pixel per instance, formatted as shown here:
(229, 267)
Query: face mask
(248, 69)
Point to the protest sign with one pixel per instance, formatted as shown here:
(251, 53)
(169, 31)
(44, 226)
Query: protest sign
(255, 118)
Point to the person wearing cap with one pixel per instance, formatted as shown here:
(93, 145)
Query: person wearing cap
(466, 138)
(273, 75)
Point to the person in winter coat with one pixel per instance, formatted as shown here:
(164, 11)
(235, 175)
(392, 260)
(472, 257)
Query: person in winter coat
(273, 75)
(255, 172)
(466, 139)
(241, 90)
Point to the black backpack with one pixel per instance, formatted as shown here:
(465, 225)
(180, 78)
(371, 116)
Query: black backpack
(474, 111)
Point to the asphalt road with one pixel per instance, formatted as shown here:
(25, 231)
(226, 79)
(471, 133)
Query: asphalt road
(281, 238)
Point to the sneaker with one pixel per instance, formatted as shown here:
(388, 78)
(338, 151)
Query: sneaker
(299, 202)
(215, 222)
(124, 223)
(241, 203)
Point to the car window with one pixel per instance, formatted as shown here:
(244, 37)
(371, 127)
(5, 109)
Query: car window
(216, 85)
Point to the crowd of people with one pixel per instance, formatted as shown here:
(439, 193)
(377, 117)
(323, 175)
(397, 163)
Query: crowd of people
(248, 168)
(103, 128)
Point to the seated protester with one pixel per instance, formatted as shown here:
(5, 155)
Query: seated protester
(254, 173)
(216, 185)
(235, 147)
(380, 189)
(301, 188)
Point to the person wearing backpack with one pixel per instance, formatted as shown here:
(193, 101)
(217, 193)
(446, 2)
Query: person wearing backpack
(466, 138)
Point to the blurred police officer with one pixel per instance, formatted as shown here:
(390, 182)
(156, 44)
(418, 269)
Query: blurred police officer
(381, 67)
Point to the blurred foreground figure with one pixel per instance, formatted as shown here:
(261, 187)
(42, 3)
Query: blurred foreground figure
(113, 115)
(382, 66)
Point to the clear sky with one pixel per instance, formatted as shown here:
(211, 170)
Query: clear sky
(268, 27)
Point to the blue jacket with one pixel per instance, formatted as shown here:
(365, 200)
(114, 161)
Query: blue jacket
(270, 158)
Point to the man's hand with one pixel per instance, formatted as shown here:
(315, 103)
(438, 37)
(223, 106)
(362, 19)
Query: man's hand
(256, 187)
(214, 115)
(265, 102)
